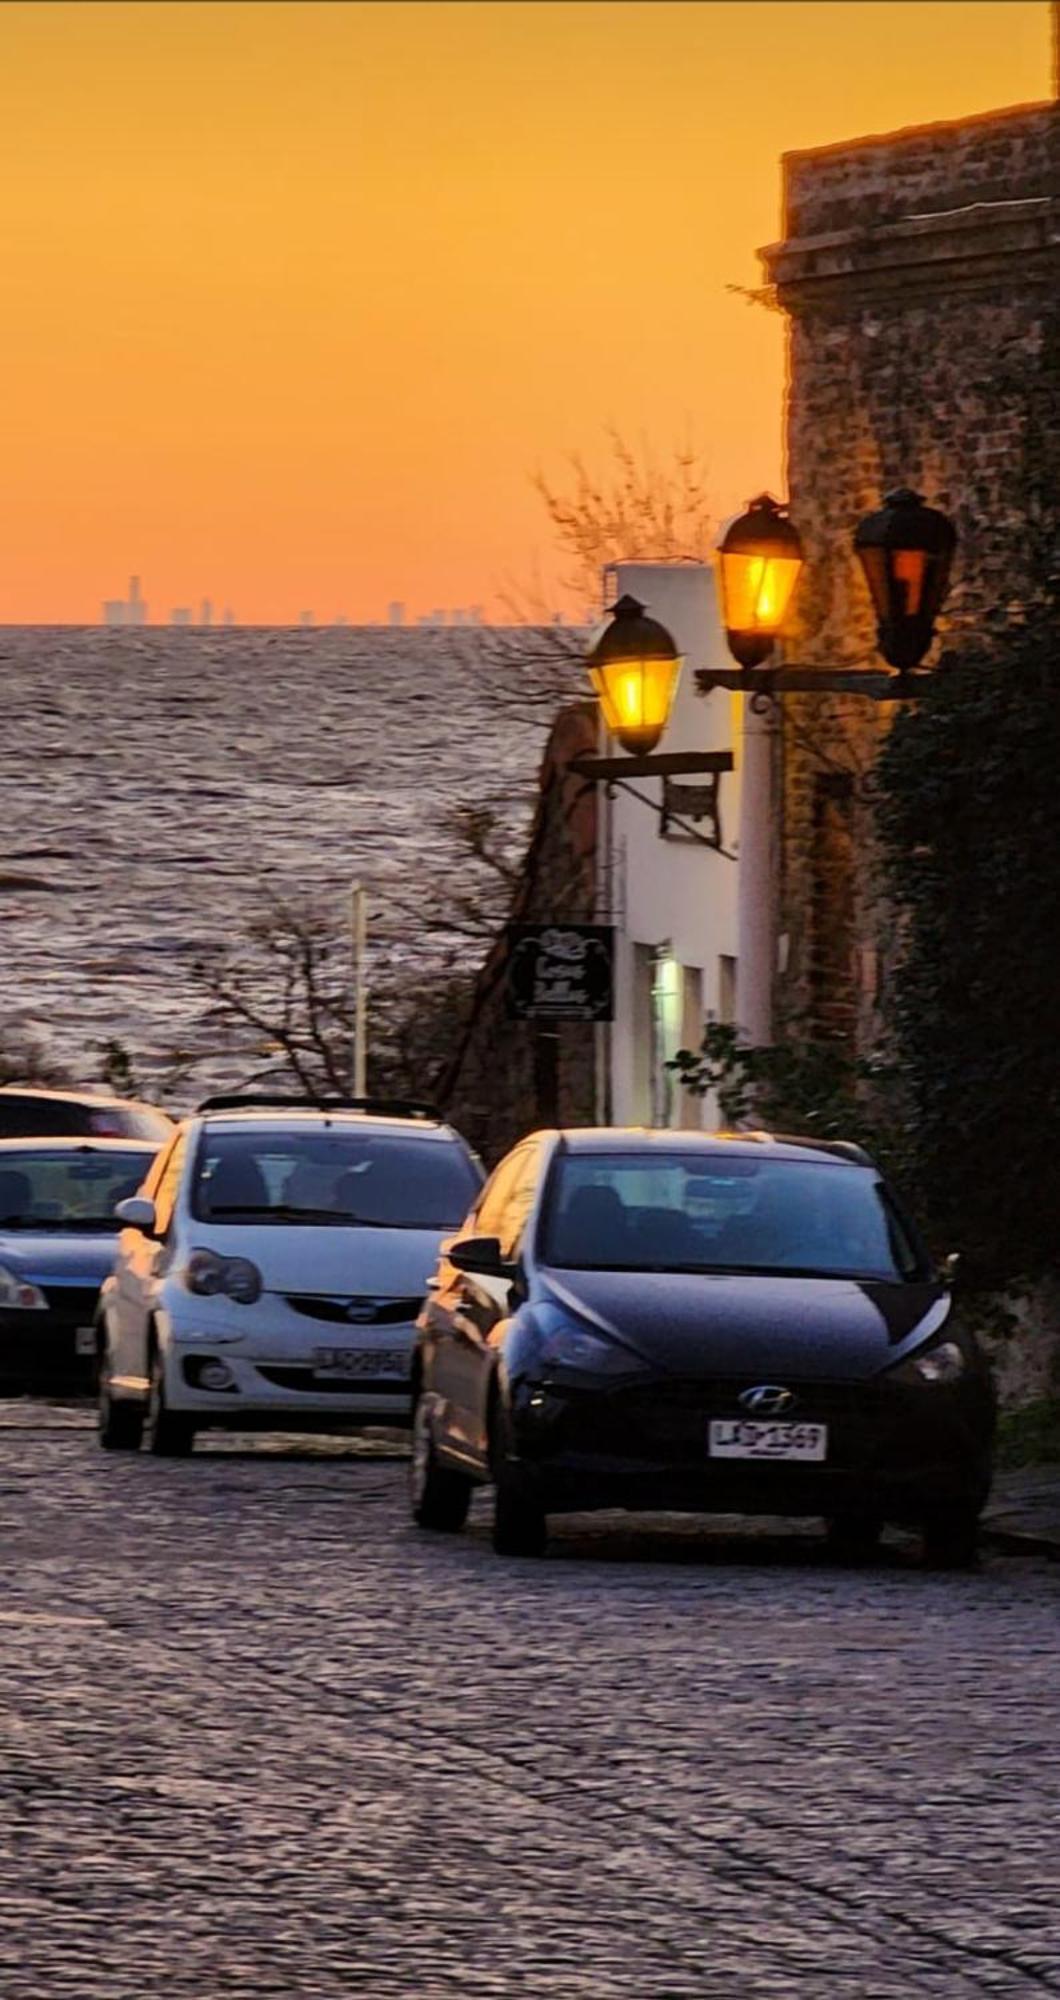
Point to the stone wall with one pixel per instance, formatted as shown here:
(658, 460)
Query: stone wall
(505, 1073)
(920, 273)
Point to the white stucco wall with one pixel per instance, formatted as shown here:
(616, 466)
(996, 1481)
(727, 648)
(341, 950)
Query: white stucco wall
(667, 893)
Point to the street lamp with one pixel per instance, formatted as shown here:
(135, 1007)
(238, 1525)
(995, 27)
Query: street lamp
(634, 667)
(760, 557)
(906, 550)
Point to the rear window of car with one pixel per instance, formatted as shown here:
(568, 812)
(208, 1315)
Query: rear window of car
(76, 1188)
(23, 1116)
(389, 1180)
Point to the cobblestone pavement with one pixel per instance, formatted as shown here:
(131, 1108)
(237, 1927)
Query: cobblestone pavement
(263, 1739)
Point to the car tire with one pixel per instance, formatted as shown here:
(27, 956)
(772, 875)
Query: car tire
(951, 1538)
(121, 1425)
(440, 1497)
(520, 1525)
(854, 1538)
(167, 1434)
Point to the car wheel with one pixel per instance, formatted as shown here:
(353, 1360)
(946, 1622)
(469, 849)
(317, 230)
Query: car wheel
(440, 1498)
(854, 1538)
(520, 1527)
(168, 1435)
(951, 1538)
(121, 1425)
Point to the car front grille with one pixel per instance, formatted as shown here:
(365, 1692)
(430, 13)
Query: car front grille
(665, 1419)
(352, 1311)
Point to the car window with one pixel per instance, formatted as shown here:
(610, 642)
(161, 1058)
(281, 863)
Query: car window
(714, 1212)
(169, 1182)
(333, 1174)
(75, 1188)
(23, 1116)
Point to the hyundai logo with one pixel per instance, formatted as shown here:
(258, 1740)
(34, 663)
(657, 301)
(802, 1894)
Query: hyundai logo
(360, 1311)
(767, 1400)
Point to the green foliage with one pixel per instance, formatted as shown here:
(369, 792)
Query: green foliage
(117, 1071)
(813, 1088)
(969, 819)
(1030, 1436)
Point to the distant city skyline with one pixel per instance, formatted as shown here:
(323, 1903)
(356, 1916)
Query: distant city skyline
(133, 610)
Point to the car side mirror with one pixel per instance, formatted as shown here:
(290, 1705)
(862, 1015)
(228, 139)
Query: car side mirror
(480, 1256)
(949, 1269)
(136, 1212)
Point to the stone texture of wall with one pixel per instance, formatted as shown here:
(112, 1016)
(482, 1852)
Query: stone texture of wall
(499, 1084)
(921, 278)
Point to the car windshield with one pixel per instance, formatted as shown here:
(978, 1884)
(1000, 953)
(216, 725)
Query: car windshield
(77, 1188)
(386, 1180)
(717, 1212)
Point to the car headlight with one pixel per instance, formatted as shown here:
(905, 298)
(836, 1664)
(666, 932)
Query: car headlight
(18, 1295)
(938, 1365)
(573, 1347)
(209, 1276)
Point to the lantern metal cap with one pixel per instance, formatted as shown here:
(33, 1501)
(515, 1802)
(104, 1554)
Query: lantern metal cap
(905, 521)
(766, 529)
(631, 635)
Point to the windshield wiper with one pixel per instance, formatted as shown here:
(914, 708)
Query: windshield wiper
(284, 1212)
(48, 1225)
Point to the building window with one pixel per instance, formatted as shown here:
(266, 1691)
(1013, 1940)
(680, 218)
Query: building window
(667, 1019)
(726, 990)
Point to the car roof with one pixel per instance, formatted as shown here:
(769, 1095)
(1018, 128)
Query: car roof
(105, 1099)
(320, 1116)
(85, 1142)
(642, 1138)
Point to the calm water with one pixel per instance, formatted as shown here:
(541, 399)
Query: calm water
(156, 783)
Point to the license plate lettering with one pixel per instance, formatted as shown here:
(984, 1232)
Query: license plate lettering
(358, 1363)
(745, 1438)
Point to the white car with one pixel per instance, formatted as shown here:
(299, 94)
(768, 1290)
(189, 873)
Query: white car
(271, 1268)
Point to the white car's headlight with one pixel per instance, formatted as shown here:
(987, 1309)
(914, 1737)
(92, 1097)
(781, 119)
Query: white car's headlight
(18, 1295)
(209, 1276)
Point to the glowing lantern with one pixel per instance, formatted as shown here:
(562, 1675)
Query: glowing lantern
(634, 667)
(906, 550)
(760, 556)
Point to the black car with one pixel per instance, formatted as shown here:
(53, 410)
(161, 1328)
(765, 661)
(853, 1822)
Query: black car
(64, 1114)
(700, 1322)
(58, 1240)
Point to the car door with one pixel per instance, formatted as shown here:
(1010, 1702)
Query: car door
(488, 1301)
(459, 1315)
(141, 1261)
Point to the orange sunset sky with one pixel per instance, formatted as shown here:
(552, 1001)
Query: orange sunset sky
(295, 297)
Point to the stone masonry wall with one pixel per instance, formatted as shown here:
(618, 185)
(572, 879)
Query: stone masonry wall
(920, 274)
(496, 1090)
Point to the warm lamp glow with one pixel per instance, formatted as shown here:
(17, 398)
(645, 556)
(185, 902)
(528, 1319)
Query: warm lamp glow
(905, 551)
(760, 557)
(635, 668)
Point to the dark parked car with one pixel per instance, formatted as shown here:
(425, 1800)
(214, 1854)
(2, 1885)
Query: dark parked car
(693, 1321)
(60, 1114)
(58, 1240)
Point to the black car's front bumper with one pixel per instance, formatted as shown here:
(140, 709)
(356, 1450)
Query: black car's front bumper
(894, 1450)
(40, 1350)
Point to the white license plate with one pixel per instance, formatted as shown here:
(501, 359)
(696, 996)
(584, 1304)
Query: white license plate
(351, 1364)
(744, 1439)
(84, 1340)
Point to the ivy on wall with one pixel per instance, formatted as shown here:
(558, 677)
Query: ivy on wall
(968, 810)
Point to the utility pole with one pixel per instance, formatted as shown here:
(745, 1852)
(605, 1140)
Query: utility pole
(359, 939)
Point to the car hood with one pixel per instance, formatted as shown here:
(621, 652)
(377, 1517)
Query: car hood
(47, 1257)
(811, 1329)
(390, 1263)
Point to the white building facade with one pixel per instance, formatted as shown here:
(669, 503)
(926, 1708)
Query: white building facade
(671, 896)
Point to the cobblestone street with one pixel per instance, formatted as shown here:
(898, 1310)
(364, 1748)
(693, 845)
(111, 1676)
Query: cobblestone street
(261, 1738)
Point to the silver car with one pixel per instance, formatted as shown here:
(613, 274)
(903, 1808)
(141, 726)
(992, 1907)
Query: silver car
(271, 1268)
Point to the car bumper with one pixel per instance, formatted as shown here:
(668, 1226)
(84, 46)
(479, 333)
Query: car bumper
(272, 1387)
(49, 1350)
(896, 1452)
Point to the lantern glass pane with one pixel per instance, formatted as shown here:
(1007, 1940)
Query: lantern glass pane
(874, 562)
(636, 697)
(757, 590)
